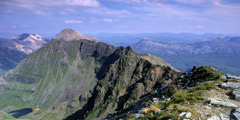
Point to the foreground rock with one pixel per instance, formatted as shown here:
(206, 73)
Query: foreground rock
(235, 87)
(236, 114)
(214, 101)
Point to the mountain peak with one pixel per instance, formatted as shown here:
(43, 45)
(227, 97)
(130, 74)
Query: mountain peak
(21, 36)
(70, 35)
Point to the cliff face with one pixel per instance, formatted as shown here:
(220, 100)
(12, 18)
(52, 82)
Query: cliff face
(126, 81)
(99, 77)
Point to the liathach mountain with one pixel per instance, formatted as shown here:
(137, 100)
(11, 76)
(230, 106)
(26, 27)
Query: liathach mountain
(77, 77)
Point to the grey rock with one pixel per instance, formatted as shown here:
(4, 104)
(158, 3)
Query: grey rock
(235, 87)
(182, 114)
(236, 93)
(137, 115)
(236, 114)
(214, 118)
(188, 115)
(231, 85)
(214, 101)
(224, 117)
(232, 77)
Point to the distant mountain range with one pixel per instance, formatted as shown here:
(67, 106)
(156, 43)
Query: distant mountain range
(222, 53)
(13, 50)
(125, 39)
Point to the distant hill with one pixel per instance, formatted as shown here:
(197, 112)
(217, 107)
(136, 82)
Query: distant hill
(222, 53)
(13, 51)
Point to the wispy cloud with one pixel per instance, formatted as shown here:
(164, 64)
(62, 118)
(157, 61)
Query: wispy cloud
(73, 21)
(123, 26)
(103, 11)
(31, 4)
(107, 20)
(13, 26)
(39, 12)
(68, 11)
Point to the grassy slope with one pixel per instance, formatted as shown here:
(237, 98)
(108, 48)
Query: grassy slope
(58, 76)
(5, 116)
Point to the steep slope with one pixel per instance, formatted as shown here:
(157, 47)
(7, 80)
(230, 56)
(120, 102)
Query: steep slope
(13, 51)
(126, 81)
(223, 53)
(69, 74)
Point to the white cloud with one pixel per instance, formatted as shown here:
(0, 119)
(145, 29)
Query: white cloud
(68, 11)
(73, 21)
(89, 3)
(123, 26)
(103, 11)
(38, 12)
(32, 4)
(200, 27)
(13, 26)
(107, 20)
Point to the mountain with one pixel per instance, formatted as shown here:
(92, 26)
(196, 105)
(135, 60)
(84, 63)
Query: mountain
(74, 73)
(222, 53)
(28, 43)
(13, 51)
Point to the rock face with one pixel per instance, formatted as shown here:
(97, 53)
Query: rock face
(125, 82)
(73, 67)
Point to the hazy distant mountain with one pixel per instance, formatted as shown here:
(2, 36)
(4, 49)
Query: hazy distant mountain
(125, 39)
(12, 51)
(223, 53)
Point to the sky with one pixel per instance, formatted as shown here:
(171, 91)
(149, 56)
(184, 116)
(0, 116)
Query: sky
(120, 16)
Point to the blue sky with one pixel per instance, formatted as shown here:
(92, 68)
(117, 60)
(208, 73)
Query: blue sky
(120, 16)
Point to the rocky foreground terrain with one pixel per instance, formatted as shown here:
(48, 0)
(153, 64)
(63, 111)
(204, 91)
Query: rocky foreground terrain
(76, 77)
(205, 94)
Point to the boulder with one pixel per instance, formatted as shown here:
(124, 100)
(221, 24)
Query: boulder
(236, 93)
(214, 118)
(231, 85)
(214, 101)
